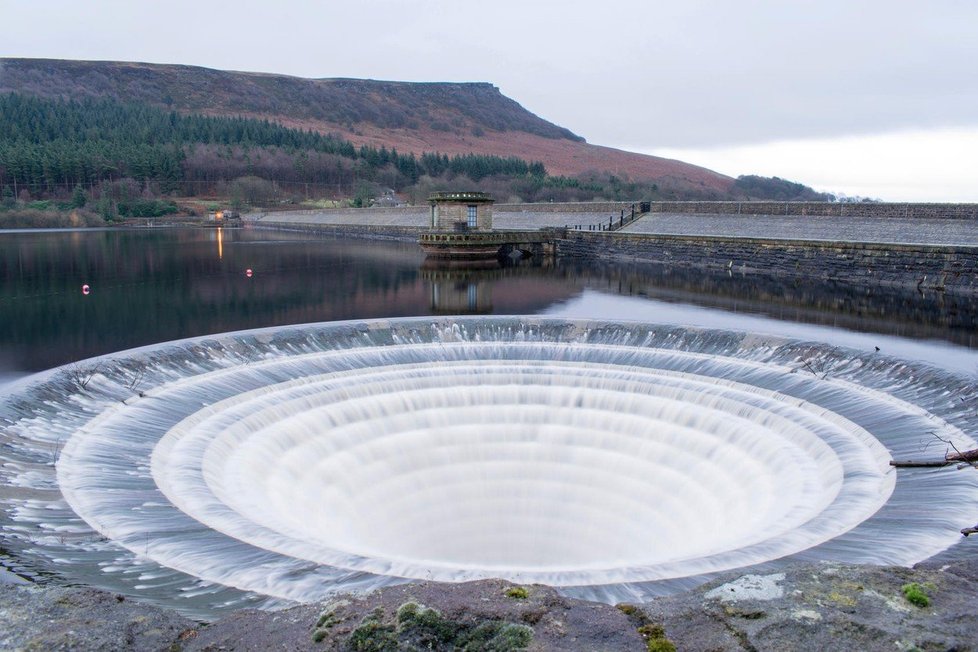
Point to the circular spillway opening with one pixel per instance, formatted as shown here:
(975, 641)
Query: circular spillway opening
(613, 460)
(555, 471)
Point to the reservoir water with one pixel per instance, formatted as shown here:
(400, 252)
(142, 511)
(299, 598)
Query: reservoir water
(155, 285)
(629, 431)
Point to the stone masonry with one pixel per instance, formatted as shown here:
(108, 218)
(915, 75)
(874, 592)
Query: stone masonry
(943, 268)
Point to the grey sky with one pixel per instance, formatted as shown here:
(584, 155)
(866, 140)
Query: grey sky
(682, 74)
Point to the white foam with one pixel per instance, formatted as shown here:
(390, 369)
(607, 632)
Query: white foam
(326, 458)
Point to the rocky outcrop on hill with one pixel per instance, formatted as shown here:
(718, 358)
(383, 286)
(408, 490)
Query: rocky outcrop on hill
(804, 607)
(442, 106)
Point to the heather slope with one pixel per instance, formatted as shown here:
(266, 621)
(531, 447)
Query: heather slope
(450, 118)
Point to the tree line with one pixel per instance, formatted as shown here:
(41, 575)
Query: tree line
(49, 144)
(114, 154)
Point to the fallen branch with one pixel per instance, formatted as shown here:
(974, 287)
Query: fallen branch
(966, 457)
(963, 456)
(970, 530)
(911, 464)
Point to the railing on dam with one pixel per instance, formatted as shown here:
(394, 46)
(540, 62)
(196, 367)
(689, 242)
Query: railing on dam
(624, 219)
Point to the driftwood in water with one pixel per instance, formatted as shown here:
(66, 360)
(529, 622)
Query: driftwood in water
(950, 458)
(912, 464)
(964, 456)
(957, 457)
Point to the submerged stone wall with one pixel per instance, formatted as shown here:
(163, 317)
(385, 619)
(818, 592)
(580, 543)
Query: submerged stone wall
(948, 268)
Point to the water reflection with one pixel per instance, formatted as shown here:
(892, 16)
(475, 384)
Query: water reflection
(153, 285)
(872, 309)
(466, 287)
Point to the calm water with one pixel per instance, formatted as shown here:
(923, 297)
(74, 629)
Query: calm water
(154, 285)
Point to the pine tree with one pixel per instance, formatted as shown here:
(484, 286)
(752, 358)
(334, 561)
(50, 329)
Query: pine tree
(78, 197)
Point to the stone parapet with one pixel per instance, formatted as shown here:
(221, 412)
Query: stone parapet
(838, 209)
(568, 207)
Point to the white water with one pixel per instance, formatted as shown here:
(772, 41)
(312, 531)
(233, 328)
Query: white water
(604, 458)
(947, 356)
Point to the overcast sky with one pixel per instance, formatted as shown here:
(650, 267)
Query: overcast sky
(866, 97)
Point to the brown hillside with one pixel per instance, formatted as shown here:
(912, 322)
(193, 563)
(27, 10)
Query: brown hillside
(449, 118)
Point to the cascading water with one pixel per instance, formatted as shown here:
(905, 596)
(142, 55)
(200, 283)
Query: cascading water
(613, 460)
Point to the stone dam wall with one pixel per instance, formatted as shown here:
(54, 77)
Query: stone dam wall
(836, 209)
(943, 267)
(355, 231)
(599, 207)
(937, 267)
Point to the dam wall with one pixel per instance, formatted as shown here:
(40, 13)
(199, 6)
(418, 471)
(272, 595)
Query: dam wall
(911, 246)
(837, 209)
(936, 267)
(419, 214)
(939, 211)
(355, 231)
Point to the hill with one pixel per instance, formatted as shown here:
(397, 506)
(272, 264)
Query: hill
(448, 118)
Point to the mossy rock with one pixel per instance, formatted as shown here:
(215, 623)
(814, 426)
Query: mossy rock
(915, 595)
(417, 627)
(518, 592)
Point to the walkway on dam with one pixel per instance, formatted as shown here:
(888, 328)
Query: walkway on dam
(811, 227)
(418, 217)
(777, 227)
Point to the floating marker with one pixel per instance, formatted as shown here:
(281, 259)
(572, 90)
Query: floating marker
(248, 272)
(86, 290)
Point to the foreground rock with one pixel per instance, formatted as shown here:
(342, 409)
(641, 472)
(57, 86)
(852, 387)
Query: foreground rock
(806, 607)
(828, 607)
(55, 618)
(486, 615)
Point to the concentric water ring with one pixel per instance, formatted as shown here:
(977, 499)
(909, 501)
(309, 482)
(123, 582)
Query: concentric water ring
(307, 460)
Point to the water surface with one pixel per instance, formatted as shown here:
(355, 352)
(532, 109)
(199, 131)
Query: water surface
(154, 285)
(149, 286)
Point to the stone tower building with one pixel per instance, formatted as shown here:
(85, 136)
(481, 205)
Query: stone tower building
(461, 211)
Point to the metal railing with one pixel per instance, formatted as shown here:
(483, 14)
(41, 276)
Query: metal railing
(613, 224)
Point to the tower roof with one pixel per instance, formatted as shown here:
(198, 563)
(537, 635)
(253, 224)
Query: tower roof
(468, 197)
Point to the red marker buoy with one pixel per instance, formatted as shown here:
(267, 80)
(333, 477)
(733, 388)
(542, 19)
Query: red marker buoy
(86, 290)
(248, 272)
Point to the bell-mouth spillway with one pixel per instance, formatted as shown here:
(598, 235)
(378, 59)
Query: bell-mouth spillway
(613, 460)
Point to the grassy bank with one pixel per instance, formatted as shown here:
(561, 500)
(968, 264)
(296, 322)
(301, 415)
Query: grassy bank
(79, 211)
(32, 218)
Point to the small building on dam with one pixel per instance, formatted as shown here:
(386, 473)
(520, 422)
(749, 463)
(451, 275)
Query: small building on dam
(461, 229)
(461, 211)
